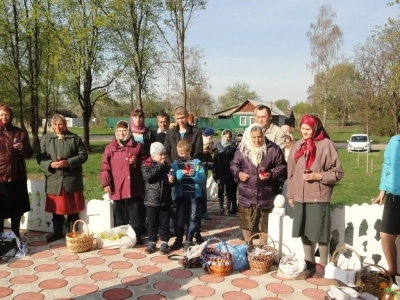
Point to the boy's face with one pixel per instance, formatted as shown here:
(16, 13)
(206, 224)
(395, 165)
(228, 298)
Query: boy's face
(159, 157)
(181, 119)
(184, 154)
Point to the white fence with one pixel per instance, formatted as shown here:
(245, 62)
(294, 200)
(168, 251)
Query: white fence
(355, 226)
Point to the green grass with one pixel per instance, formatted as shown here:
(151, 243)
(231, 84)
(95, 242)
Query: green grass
(93, 131)
(356, 187)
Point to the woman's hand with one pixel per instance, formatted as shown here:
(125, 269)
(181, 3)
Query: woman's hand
(243, 176)
(291, 202)
(379, 199)
(265, 177)
(107, 189)
(18, 146)
(312, 177)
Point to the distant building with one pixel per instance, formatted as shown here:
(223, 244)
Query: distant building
(239, 117)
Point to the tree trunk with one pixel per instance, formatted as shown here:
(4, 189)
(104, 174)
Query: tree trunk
(87, 107)
(181, 44)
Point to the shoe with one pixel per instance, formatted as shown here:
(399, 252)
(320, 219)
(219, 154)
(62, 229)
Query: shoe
(171, 234)
(233, 212)
(221, 211)
(205, 216)
(164, 249)
(187, 245)
(139, 241)
(176, 245)
(151, 247)
(199, 238)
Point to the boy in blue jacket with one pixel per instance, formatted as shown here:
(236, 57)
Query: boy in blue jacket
(189, 176)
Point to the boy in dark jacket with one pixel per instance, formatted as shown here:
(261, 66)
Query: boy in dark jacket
(158, 181)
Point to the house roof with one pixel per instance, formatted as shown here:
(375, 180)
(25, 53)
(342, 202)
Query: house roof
(235, 110)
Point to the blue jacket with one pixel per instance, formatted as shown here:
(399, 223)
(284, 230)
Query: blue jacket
(198, 177)
(390, 178)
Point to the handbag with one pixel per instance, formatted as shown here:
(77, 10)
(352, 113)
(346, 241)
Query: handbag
(8, 247)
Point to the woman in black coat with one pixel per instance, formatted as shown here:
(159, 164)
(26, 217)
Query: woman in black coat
(223, 154)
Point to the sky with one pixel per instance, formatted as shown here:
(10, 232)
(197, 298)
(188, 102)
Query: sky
(263, 42)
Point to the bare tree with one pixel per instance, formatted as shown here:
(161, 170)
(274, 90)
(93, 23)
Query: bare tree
(325, 39)
(179, 18)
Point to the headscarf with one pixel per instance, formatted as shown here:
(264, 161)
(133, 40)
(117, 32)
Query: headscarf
(128, 135)
(308, 147)
(58, 116)
(247, 148)
(138, 129)
(5, 107)
(223, 142)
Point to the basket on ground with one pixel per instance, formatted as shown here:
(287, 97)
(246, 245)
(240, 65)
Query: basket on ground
(373, 281)
(260, 256)
(217, 262)
(79, 241)
(343, 275)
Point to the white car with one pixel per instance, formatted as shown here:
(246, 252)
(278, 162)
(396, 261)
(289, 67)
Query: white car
(359, 143)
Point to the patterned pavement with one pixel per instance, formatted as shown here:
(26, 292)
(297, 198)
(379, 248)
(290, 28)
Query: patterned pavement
(50, 271)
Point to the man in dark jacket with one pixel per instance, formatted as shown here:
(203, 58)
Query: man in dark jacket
(183, 131)
(163, 122)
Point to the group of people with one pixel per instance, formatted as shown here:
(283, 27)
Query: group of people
(158, 178)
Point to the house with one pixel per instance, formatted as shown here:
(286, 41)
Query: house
(239, 117)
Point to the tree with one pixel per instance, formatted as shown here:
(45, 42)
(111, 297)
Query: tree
(80, 27)
(180, 14)
(236, 94)
(282, 104)
(325, 39)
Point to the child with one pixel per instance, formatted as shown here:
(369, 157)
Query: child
(189, 175)
(158, 181)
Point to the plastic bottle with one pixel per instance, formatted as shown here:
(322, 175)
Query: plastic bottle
(388, 294)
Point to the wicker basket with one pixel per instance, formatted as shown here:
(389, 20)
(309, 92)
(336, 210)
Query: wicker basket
(79, 241)
(217, 262)
(370, 281)
(334, 260)
(260, 263)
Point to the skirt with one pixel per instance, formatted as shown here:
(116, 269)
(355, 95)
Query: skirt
(66, 203)
(312, 220)
(14, 199)
(253, 218)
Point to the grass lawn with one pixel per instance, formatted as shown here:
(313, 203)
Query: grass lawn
(356, 187)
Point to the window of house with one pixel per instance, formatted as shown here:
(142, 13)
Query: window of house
(252, 120)
(242, 121)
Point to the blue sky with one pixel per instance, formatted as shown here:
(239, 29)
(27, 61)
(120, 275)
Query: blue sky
(263, 42)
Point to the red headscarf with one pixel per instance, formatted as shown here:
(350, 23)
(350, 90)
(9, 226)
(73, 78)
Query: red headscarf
(308, 146)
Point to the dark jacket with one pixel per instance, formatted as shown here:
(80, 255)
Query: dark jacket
(148, 138)
(12, 161)
(125, 180)
(70, 148)
(158, 188)
(192, 134)
(257, 191)
(160, 136)
(222, 161)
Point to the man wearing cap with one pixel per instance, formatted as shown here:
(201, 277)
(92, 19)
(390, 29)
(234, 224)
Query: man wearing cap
(208, 148)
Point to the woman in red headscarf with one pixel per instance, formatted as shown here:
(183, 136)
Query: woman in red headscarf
(14, 149)
(313, 169)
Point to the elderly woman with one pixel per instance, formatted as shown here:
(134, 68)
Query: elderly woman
(121, 177)
(313, 169)
(222, 175)
(258, 164)
(61, 157)
(14, 149)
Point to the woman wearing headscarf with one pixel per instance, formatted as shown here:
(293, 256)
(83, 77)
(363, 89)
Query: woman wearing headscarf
(222, 175)
(313, 169)
(14, 149)
(258, 164)
(121, 177)
(140, 132)
(61, 157)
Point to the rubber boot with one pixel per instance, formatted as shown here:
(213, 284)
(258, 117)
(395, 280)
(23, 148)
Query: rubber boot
(15, 225)
(1, 225)
(58, 231)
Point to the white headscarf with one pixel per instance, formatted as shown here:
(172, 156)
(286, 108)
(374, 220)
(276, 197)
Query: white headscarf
(255, 154)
